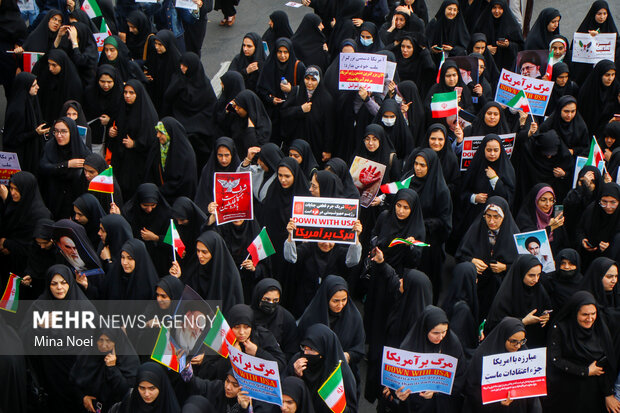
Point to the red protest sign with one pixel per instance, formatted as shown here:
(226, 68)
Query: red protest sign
(233, 195)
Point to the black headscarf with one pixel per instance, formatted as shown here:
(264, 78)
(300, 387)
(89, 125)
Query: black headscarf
(140, 283)
(126, 67)
(419, 67)
(569, 89)
(539, 37)
(81, 118)
(260, 133)
(308, 42)
(592, 282)
(55, 90)
(23, 115)
(98, 102)
(340, 168)
(118, 231)
(166, 401)
(329, 184)
(594, 95)
(449, 163)
(281, 28)
(12, 25)
(383, 154)
(461, 305)
(479, 126)
(89, 207)
(204, 195)
(274, 71)
(241, 61)
(399, 134)
(344, 28)
(272, 321)
(598, 225)
(219, 278)
(589, 21)
(376, 45)
(97, 162)
(42, 38)
(197, 404)
(157, 220)
(137, 42)
(574, 133)
(308, 162)
(453, 32)
(162, 67)
(465, 103)
(296, 389)
(184, 209)
(232, 85)
(408, 92)
(564, 283)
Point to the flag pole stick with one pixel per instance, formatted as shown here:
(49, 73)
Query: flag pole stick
(174, 254)
(112, 196)
(241, 266)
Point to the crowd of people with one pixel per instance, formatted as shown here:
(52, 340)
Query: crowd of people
(145, 106)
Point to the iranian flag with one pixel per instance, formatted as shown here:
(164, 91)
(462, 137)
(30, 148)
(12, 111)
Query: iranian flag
(596, 154)
(10, 298)
(332, 391)
(261, 247)
(173, 238)
(219, 334)
(402, 241)
(550, 62)
(30, 59)
(444, 104)
(443, 60)
(520, 102)
(91, 8)
(104, 182)
(164, 351)
(104, 28)
(393, 187)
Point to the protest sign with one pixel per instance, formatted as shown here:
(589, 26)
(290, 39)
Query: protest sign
(197, 316)
(9, 166)
(468, 68)
(233, 194)
(362, 70)
(367, 176)
(417, 371)
(593, 49)
(532, 63)
(537, 91)
(75, 247)
(537, 244)
(521, 373)
(324, 219)
(260, 378)
(471, 144)
(99, 39)
(580, 162)
(186, 4)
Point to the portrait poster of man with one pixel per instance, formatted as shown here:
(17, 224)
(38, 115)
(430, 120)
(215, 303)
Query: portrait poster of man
(74, 245)
(537, 244)
(194, 315)
(532, 63)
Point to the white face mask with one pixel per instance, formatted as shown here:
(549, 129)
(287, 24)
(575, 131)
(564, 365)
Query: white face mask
(366, 42)
(388, 121)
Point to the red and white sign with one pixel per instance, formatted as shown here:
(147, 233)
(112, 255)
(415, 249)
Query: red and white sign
(365, 70)
(520, 374)
(232, 192)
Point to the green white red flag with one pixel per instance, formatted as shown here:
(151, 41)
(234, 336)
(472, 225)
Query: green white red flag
(520, 102)
(10, 298)
(444, 104)
(91, 8)
(401, 241)
(219, 334)
(596, 154)
(164, 351)
(394, 187)
(332, 391)
(30, 59)
(261, 247)
(173, 238)
(104, 182)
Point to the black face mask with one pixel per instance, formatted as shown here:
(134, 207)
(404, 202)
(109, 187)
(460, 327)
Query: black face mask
(566, 274)
(315, 361)
(267, 307)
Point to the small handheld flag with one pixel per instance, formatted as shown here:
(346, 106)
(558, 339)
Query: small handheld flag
(104, 182)
(596, 154)
(394, 187)
(10, 298)
(550, 62)
(220, 334)
(172, 238)
(443, 60)
(261, 247)
(91, 8)
(444, 104)
(30, 59)
(401, 241)
(332, 391)
(520, 102)
(164, 351)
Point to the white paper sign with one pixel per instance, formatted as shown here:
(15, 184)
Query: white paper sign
(186, 4)
(593, 49)
(362, 70)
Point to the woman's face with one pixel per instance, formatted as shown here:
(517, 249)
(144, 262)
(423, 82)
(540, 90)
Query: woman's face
(231, 387)
(285, 176)
(451, 11)
(242, 332)
(224, 157)
(338, 301)
(497, 11)
(34, 89)
(283, 54)
(54, 23)
(111, 52)
(71, 113)
(437, 334)
(348, 49)
(371, 142)
(532, 276)
(162, 138)
(59, 287)
(610, 279)
(183, 68)
(481, 67)
(16, 196)
(62, 134)
(132, 29)
(53, 67)
(241, 112)
(288, 404)
(492, 150)
(89, 172)
(566, 265)
(159, 47)
(310, 82)
(129, 94)
(553, 24)
(515, 342)
(568, 112)
(79, 217)
(104, 344)
(399, 21)
(609, 204)
(601, 16)
(127, 262)
(420, 167)
(106, 82)
(491, 116)
(608, 77)
(609, 141)
(295, 155)
(406, 48)
(436, 140)
(479, 47)
(315, 190)
(558, 49)
(102, 233)
(248, 47)
(162, 298)
(546, 202)
(562, 79)
(148, 391)
(365, 34)
(452, 77)
(586, 316)
(403, 210)
(203, 253)
(493, 220)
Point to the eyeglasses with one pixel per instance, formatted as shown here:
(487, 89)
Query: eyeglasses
(61, 132)
(517, 342)
(606, 204)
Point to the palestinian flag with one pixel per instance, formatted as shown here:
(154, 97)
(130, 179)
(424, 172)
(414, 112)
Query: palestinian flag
(164, 351)
(91, 8)
(219, 334)
(173, 238)
(550, 62)
(596, 154)
(443, 60)
(393, 187)
(520, 102)
(30, 59)
(10, 298)
(444, 104)
(261, 247)
(400, 241)
(104, 182)
(332, 391)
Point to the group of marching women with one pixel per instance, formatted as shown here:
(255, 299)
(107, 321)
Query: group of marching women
(145, 107)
